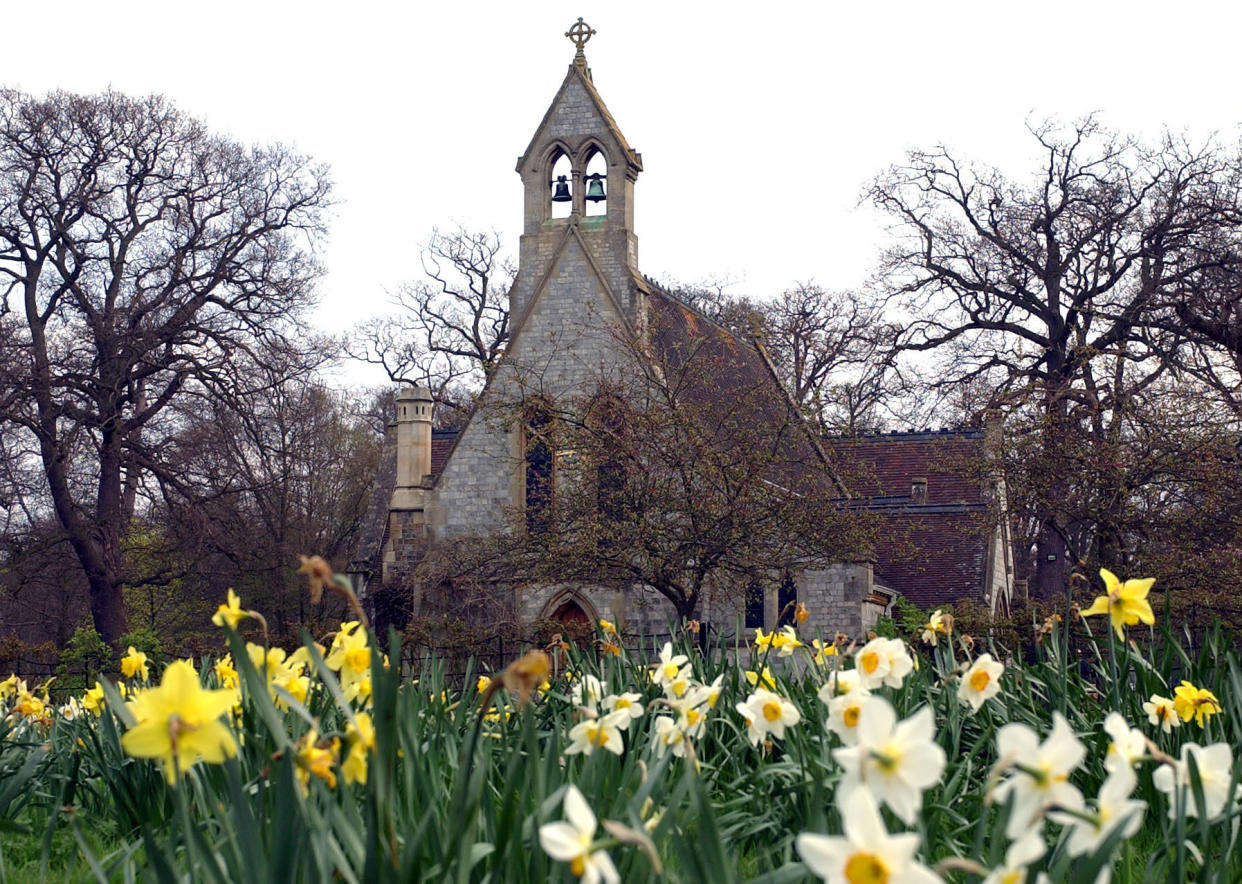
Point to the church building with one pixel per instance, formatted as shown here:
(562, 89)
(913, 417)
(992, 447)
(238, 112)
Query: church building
(584, 318)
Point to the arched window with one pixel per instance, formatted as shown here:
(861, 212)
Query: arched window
(561, 186)
(595, 184)
(539, 468)
(754, 606)
(609, 427)
(786, 600)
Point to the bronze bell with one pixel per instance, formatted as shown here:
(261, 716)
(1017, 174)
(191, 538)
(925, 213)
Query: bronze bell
(595, 187)
(561, 192)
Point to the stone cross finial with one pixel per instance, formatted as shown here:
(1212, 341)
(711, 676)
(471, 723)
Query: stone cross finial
(579, 34)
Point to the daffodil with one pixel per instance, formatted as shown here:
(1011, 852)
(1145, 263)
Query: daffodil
(587, 692)
(609, 628)
(1114, 810)
(894, 760)
(845, 714)
(350, 655)
(360, 735)
(598, 733)
(937, 625)
(134, 664)
(571, 841)
(1127, 744)
(8, 687)
(669, 735)
(1038, 772)
(178, 723)
(672, 669)
(767, 713)
(871, 662)
(1215, 766)
(93, 699)
(822, 652)
(1125, 603)
(225, 672)
(482, 684)
(1162, 713)
(867, 854)
(980, 682)
(317, 758)
(761, 679)
(230, 613)
(1018, 858)
(1192, 702)
(629, 703)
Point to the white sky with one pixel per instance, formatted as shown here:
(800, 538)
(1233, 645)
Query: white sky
(758, 127)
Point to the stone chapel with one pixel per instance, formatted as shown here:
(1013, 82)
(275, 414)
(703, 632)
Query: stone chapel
(577, 295)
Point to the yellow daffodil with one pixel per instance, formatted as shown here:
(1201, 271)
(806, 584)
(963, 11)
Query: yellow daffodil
(762, 679)
(230, 613)
(609, 628)
(179, 723)
(1192, 702)
(1125, 603)
(360, 735)
(93, 699)
(134, 664)
(317, 758)
(822, 652)
(8, 687)
(482, 684)
(225, 672)
(350, 655)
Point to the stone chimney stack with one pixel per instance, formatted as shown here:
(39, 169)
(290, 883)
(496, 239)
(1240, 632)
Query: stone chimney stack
(918, 490)
(414, 406)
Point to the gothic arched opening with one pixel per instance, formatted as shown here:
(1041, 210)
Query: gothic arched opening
(595, 184)
(561, 186)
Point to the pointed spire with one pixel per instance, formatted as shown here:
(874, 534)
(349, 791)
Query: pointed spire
(580, 33)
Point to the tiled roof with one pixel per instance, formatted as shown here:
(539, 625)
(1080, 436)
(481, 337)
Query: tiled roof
(932, 552)
(933, 558)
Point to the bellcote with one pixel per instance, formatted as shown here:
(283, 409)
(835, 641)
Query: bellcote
(578, 174)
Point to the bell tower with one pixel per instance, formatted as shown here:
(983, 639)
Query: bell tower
(578, 175)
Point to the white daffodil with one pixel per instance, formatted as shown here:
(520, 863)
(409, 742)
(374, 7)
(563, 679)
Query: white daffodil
(900, 663)
(844, 715)
(677, 686)
(767, 713)
(1114, 809)
(1215, 764)
(867, 853)
(692, 711)
(893, 760)
(1038, 772)
(872, 662)
(980, 682)
(598, 733)
(669, 735)
(1161, 713)
(587, 692)
(630, 703)
(570, 842)
(1128, 743)
(669, 666)
(842, 683)
(713, 690)
(1020, 854)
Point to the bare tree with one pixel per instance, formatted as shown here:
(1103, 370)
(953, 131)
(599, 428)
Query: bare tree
(148, 263)
(449, 330)
(1038, 288)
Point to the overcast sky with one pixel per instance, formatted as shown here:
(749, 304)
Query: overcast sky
(758, 128)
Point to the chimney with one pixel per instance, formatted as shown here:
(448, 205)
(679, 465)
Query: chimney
(413, 436)
(918, 490)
